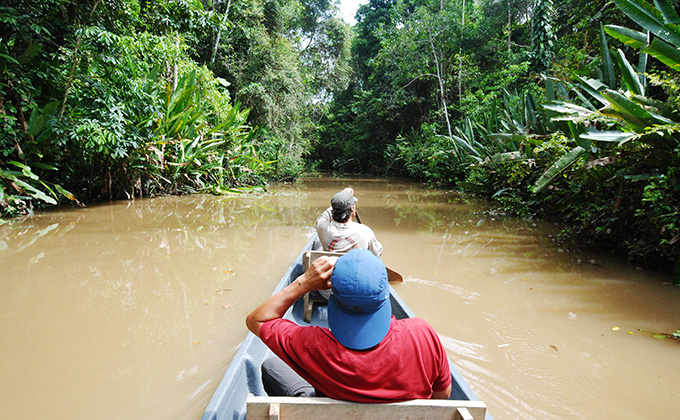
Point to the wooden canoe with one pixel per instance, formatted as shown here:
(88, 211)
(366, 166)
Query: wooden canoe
(243, 377)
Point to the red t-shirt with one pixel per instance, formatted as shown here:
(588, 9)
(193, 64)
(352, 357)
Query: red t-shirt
(410, 363)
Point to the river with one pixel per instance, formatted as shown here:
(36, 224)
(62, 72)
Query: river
(133, 309)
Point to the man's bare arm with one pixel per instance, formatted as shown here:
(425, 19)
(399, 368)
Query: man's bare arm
(317, 277)
(442, 395)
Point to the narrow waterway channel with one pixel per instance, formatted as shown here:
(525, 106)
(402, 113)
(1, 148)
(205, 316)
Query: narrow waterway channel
(133, 310)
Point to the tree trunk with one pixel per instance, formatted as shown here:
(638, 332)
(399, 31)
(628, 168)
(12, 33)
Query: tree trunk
(509, 26)
(440, 79)
(460, 61)
(219, 32)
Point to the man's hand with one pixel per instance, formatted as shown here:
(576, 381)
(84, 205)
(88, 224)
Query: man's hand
(317, 277)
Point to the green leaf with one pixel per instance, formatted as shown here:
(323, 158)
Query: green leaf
(29, 53)
(555, 169)
(35, 122)
(642, 69)
(635, 39)
(549, 89)
(668, 12)
(531, 115)
(629, 75)
(65, 193)
(508, 136)
(35, 193)
(593, 87)
(465, 146)
(568, 108)
(607, 65)
(508, 156)
(576, 131)
(665, 53)
(649, 18)
(628, 110)
(608, 136)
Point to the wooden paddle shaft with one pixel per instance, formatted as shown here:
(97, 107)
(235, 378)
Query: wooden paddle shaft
(356, 213)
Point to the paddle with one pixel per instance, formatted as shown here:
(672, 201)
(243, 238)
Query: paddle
(392, 276)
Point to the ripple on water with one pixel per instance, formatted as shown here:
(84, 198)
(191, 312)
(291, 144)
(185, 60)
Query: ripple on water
(456, 290)
(542, 368)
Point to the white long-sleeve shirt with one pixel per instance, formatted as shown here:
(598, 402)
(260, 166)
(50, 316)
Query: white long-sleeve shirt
(341, 237)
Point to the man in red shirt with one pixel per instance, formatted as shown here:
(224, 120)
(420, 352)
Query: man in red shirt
(367, 355)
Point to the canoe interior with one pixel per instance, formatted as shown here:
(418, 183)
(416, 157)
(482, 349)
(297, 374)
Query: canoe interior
(243, 374)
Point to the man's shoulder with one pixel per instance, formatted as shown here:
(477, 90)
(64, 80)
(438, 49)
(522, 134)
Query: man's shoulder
(415, 324)
(413, 321)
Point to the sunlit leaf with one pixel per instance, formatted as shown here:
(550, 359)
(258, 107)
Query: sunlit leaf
(635, 39)
(555, 169)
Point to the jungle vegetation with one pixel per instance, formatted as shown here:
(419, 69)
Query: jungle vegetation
(555, 109)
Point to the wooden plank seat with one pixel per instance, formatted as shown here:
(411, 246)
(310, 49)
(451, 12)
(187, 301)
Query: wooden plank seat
(284, 408)
(314, 297)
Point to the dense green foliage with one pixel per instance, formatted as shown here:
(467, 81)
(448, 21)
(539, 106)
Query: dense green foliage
(120, 99)
(559, 109)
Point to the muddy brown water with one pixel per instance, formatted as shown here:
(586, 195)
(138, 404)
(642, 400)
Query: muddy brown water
(133, 310)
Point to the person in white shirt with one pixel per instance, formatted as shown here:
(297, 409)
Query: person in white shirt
(339, 233)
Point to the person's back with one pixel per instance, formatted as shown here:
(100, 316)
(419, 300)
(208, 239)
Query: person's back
(366, 355)
(402, 367)
(339, 233)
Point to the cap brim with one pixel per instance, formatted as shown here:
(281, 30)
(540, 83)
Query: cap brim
(359, 331)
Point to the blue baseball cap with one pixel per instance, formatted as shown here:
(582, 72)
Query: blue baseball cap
(359, 309)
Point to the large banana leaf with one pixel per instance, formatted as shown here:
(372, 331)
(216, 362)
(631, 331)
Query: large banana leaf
(555, 169)
(654, 104)
(635, 39)
(630, 111)
(509, 137)
(508, 157)
(530, 114)
(668, 12)
(607, 65)
(665, 53)
(660, 22)
(472, 152)
(629, 76)
(577, 130)
(609, 136)
(642, 69)
(593, 87)
(571, 111)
